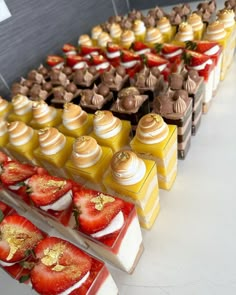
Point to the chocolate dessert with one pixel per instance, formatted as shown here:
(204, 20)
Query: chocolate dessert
(175, 106)
(115, 79)
(37, 93)
(58, 78)
(130, 105)
(18, 88)
(98, 98)
(149, 81)
(86, 77)
(62, 95)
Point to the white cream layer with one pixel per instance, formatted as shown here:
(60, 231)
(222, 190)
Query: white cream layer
(115, 224)
(61, 204)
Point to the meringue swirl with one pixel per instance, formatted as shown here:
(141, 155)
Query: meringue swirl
(105, 125)
(127, 168)
(73, 116)
(42, 112)
(86, 152)
(51, 141)
(3, 127)
(153, 35)
(19, 133)
(3, 104)
(151, 129)
(21, 104)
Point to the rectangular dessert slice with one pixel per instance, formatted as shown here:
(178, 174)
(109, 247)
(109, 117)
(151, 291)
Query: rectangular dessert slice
(157, 141)
(142, 189)
(109, 226)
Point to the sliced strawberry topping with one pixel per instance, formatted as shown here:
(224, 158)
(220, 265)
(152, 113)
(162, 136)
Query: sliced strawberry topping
(72, 60)
(61, 265)
(95, 210)
(98, 59)
(139, 46)
(46, 189)
(14, 172)
(153, 60)
(167, 48)
(68, 47)
(18, 235)
(3, 158)
(53, 60)
(85, 49)
(201, 46)
(127, 56)
(112, 47)
(193, 58)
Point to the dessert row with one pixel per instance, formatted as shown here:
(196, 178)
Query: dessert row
(106, 224)
(104, 157)
(50, 265)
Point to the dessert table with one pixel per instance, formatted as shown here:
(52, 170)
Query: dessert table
(191, 247)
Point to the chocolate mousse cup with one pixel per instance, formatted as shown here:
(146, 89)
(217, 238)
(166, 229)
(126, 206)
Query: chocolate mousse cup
(176, 109)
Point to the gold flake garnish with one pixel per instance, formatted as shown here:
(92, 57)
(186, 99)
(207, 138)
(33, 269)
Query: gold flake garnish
(43, 131)
(16, 238)
(157, 118)
(52, 256)
(123, 156)
(101, 200)
(99, 113)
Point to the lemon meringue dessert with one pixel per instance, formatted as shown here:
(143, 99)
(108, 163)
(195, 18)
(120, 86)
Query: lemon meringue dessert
(156, 140)
(135, 180)
(110, 131)
(53, 150)
(88, 162)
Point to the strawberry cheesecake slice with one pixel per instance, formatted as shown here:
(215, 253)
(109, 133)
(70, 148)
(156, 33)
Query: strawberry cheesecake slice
(62, 268)
(173, 54)
(18, 239)
(113, 53)
(52, 198)
(13, 175)
(214, 51)
(76, 62)
(69, 49)
(204, 65)
(130, 61)
(109, 226)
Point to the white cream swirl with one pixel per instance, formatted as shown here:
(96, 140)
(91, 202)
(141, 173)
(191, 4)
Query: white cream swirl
(105, 125)
(139, 27)
(86, 152)
(21, 104)
(115, 30)
(19, 133)
(152, 129)
(42, 112)
(73, 117)
(103, 39)
(185, 33)
(215, 31)
(51, 141)
(127, 168)
(227, 16)
(164, 25)
(195, 21)
(153, 35)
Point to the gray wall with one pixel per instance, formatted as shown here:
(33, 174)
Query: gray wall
(40, 27)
